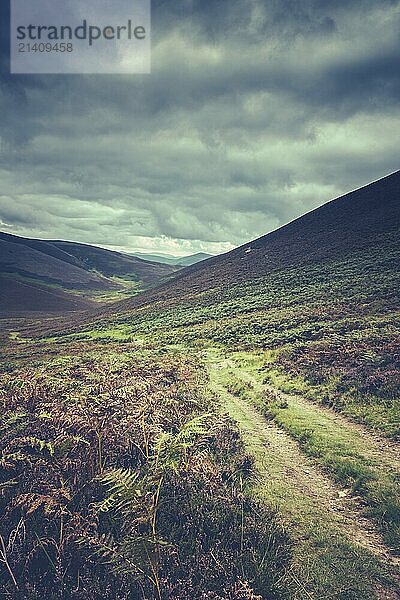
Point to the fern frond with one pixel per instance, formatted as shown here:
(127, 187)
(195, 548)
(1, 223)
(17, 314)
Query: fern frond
(33, 502)
(37, 443)
(193, 429)
(171, 449)
(103, 546)
(7, 484)
(8, 460)
(119, 481)
(64, 443)
(136, 555)
(126, 492)
(13, 423)
(105, 505)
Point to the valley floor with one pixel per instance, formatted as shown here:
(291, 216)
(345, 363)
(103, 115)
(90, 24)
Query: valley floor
(341, 548)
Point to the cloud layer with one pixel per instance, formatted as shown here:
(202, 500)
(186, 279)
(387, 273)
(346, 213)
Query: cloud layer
(255, 112)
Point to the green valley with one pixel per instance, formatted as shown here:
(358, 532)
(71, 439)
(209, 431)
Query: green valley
(230, 433)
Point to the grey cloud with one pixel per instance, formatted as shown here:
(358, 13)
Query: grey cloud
(255, 112)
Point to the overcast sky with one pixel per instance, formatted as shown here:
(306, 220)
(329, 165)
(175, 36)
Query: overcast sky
(256, 111)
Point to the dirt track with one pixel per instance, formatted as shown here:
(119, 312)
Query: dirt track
(309, 501)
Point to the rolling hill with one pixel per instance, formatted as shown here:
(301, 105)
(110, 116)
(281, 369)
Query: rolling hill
(193, 259)
(110, 263)
(17, 296)
(183, 261)
(48, 275)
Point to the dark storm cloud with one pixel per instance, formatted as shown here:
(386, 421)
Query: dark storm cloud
(255, 112)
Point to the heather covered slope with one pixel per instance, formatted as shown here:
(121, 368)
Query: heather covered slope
(367, 218)
(17, 296)
(44, 263)
(47, 276)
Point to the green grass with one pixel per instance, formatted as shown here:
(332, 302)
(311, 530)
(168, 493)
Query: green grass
(326, 564)
(340, 448)
(121, 333)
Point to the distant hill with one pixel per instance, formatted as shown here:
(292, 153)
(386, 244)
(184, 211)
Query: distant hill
(168, 259)
(187, 261)
(44, 275)
(110, 263)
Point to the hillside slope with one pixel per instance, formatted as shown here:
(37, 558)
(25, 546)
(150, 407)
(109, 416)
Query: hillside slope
(193, 259)
(53, 268)
(111, 263)
(46, 264)
(367, 218)
(16, 297)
